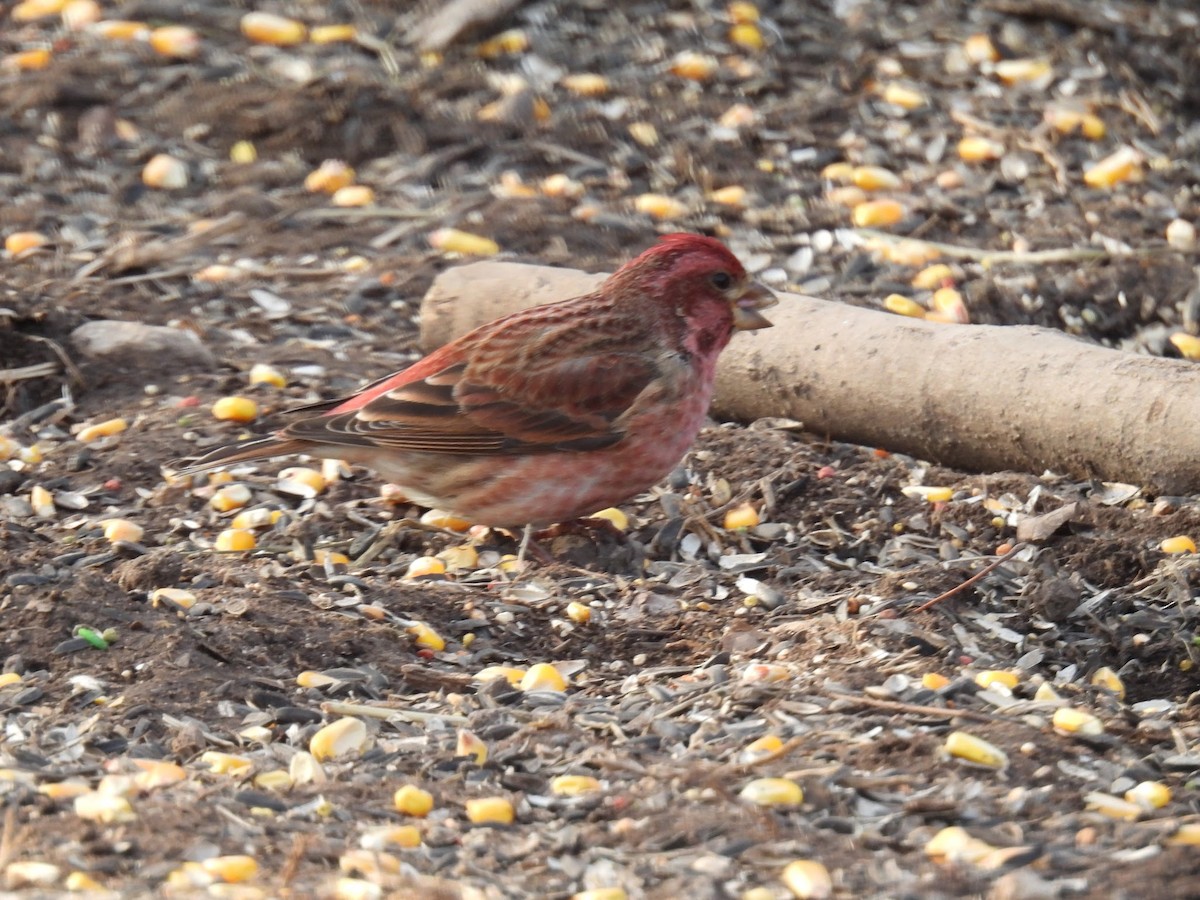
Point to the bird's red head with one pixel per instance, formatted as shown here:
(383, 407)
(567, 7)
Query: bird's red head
(697, 284)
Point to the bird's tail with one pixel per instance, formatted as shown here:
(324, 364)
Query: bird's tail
(257, 448)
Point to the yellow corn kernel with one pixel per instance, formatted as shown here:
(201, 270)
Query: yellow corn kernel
(230, 497)
(78, 14)
(766, 673)
(217, 273)
(955, 844)
(157, 773)
(975, 750)
(928, 493)
(875, 178)
(932, 277)
(343, 737)
(1188, 345)
(747, 36)
(1001, 677)
(261, 373)
(332, 34)
(577, 612)
(304, 769)
(1149, 795)
(439, 518)
(1014, 71)
(175, 41)
(451, 240)
(256, 518)
(877, 213)
(121, 30)
(235, 409)
(389, 836)
(490, 811)
(742, 516)
(619, 519)
(733, 195)
(949, 306)
(329, 177)
(425, 565)
(772, 792)
(738, 116)
(1179, 544)
(512, 674)
(903, 95)
(543, 677)
(29, 10)
(604, 893)
(1092, 127)
(1106, 678)
(83, 883)
(101, 429)
(64, 790)
(934, 681)
(1063, 119)
(1069, 720)
(9, 678)
(1046, 694)
(560, 185)
(694, 66)
(507, 42)
(31, 873)
(741, 11)
(841, 172)
(979, 48)
(1124, 164)
(659, 206)
(165, 172)
(976, 149)
(21, 241)
(1187, 835)
(42, 502)
(242, 153)
(232, 869)
(353, 195)
(469, 744)
(233, 540)
(459, 558)
(31, 455)
(425, 636)
(586, 84)
(122, 530)
(8, 448)
(509, 563)
(226, 763)
(104, 808)
(807, 879)
(644, 133)
(274, 780)
(266, 28)
(356, 889)
(304, 477)
(410, 800)
(763, 748)
(1113, 807)
(574, 785)
(1181, 234)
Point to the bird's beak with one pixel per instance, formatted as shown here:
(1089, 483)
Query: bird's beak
(746, 315)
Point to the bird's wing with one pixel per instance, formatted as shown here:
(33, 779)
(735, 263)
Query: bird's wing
(569, 405)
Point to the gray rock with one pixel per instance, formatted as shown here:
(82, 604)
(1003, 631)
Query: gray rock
(139, 345)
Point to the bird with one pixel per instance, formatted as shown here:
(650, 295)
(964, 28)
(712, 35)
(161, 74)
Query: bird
(550, 413)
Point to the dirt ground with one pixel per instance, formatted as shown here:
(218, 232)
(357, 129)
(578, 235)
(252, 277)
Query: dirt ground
(686, 643)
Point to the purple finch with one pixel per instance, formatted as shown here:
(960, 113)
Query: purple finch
(550, 413)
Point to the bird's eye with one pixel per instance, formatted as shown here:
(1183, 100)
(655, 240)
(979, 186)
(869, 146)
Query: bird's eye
(722, 281)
